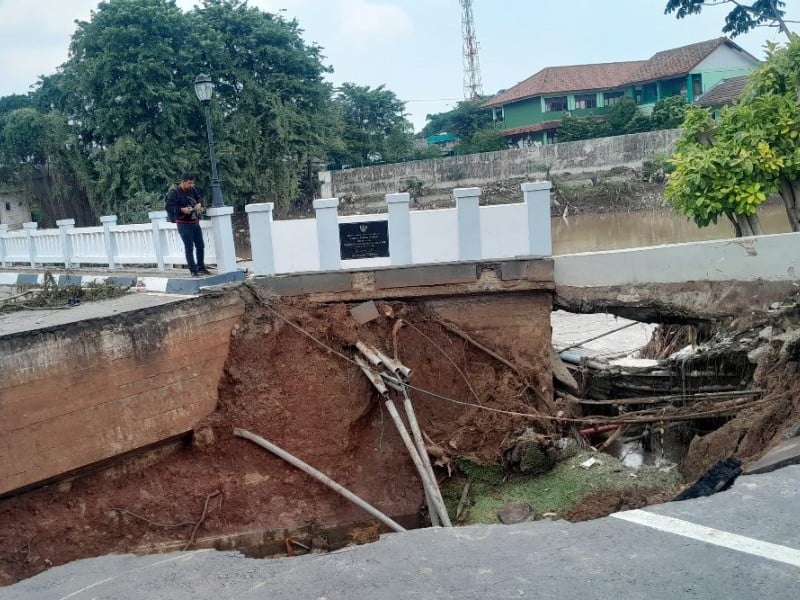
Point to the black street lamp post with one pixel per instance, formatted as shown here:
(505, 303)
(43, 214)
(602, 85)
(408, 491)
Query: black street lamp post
(204, 88)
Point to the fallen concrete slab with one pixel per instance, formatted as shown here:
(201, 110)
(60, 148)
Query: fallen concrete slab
(787, 453)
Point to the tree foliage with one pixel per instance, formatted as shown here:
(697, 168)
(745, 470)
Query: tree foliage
(730, 166)
(487, 139)
(668, 113)
(742, 17)
(465, 120)
(582, 128)
(375, 127)
(126, 102)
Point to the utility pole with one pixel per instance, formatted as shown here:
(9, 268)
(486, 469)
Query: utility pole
(473, 88)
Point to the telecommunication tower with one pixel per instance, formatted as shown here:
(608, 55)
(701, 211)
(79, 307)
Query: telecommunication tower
(472, 68)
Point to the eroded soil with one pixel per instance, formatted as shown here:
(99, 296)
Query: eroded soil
(299, 390)
(302, 394)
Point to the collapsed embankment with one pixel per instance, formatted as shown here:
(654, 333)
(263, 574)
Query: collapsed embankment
(287, 377)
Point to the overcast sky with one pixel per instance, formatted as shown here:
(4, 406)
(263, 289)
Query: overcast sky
(413, 47)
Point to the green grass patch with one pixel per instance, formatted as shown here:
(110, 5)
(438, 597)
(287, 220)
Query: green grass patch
(556, 491)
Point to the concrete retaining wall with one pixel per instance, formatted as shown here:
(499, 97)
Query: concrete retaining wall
(369, 184)
(81, 393)
(765, 258)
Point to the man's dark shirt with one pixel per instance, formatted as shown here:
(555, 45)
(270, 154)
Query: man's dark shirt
(177, 199)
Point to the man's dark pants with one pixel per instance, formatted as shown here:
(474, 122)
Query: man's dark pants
(192, 237)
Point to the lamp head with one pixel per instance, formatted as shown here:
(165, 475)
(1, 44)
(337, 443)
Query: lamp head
(203, 87)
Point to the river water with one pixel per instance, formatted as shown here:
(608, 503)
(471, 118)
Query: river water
(590, 233)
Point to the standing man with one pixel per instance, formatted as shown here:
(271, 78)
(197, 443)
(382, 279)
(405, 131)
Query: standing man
(185, 207)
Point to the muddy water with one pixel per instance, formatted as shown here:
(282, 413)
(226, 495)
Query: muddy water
(589, 233)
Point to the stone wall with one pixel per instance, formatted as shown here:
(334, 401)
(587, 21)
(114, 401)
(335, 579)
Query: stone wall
(368, 185)
(13, 211)
(81, 393)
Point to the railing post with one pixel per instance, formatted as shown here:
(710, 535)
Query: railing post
(29, 229)
(222, 230)
(108, 222)
(3, 231)
(537, 198)
(469, 223)
(328, 233)
(64, 225)
(259, 219)
(159, 237)
(399, 228)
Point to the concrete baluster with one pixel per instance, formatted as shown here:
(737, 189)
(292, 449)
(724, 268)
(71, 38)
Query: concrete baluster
(222, 230)
(469, 223)
(3, 231)
(537, 198)
(399, 228)
(29, 229)
(108, 222)
(64, 225)
(157, 217)
(327, 211)
(259, 218)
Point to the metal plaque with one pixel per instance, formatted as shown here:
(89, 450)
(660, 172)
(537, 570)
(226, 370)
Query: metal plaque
(367, 239)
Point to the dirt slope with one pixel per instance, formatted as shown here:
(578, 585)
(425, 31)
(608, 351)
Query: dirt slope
(284, 386)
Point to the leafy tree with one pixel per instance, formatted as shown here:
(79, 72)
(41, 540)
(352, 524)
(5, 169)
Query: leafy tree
(40, 156)
(729, 167)
(487, 139)
(742, 17)
(668, 113)
(127, 94)
(275, 112)
(374, 125)
(466, 119)
(582, 128)
(13, 102)
(621, 114)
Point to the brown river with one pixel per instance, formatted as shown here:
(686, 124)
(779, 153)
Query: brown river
(589, 233)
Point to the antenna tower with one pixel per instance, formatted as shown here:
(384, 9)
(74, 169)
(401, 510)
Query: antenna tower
(472, 68)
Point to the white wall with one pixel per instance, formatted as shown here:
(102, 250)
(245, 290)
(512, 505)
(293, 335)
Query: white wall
(725, 58)
(434, 235)
(299, 237)
(504, 230)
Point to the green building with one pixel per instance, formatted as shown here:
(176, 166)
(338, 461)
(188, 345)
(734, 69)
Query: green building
(531, 111)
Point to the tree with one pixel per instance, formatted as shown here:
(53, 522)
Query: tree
(40, 156)
(668, 113)
(742, 17)
(274, 113)
(374, 124)
(125, 99)
(466, 119)
(487, 139)
(730, 166)
(621, 114)
(582, 128)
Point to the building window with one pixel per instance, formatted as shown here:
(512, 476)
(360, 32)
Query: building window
(649, 93)
(585, 101)
(497, 115)
(8, 205)
(556, 104)
(612, 98)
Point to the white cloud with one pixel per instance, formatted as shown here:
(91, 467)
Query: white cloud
(369, 21)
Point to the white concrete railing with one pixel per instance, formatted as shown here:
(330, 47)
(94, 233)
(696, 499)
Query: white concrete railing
(405, 237)
(155, 243)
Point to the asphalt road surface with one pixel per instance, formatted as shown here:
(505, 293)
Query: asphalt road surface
(743, 543)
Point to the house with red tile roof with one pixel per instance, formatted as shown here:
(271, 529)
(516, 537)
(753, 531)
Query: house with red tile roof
(531, 111)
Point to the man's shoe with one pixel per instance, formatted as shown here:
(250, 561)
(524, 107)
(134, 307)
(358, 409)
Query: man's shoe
(203, 271)
(195, 273)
